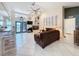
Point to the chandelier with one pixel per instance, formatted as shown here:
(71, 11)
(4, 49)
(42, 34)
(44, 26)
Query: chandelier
(35, 13)
(35, 9)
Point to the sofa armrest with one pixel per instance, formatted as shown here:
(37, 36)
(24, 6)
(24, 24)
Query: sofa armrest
(37, 37)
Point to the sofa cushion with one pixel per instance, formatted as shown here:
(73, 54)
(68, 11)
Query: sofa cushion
(48, 29)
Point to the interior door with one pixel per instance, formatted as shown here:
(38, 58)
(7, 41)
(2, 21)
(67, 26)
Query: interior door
(69, 26)
(69, 30)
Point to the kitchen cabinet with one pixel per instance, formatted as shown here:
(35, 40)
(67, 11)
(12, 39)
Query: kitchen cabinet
(7, 45)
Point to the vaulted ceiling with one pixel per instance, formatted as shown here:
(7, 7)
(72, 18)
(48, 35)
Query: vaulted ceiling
(24, 7)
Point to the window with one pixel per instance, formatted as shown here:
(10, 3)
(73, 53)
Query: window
(1, 20)
(48, 21)
(5, 23)
(1, 23)
(8, 24)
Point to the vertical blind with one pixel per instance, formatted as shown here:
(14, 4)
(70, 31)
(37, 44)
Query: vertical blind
(50, 21)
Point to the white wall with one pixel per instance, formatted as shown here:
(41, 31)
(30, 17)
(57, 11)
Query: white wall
(53, 11)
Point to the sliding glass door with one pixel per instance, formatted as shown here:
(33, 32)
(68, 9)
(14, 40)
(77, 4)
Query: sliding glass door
(20, 27)
(24, 26)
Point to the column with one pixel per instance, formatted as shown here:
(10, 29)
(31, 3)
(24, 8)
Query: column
(12, 14)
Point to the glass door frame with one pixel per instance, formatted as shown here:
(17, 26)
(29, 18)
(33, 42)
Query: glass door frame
(21, 26)
(24, 25)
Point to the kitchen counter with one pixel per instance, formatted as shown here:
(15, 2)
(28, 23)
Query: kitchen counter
(7, 43)
(5, 33)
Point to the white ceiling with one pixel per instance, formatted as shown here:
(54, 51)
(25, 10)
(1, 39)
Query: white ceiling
(25, 6)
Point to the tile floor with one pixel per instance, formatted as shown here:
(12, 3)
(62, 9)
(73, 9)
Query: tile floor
(26, 46)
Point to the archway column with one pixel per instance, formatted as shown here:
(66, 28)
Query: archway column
(12, 17)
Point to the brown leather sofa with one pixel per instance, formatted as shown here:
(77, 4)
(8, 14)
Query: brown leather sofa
(47, 37)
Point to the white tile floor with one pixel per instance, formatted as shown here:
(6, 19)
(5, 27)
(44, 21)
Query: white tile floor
(26, 46)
